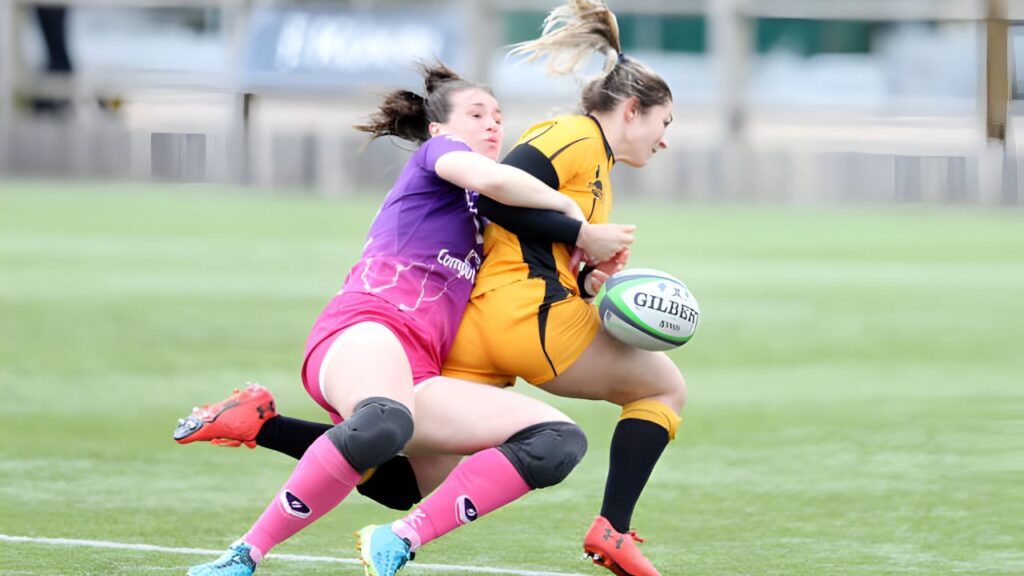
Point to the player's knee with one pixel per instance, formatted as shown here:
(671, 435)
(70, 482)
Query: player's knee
(377, 430)
(666, 383)
(676, 393)
(544, 454)
(393, 484)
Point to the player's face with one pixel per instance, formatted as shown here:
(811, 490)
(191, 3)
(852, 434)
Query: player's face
(645, 134)
(476, 119)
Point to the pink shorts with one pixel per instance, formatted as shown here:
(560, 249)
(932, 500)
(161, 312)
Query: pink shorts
(352, 308)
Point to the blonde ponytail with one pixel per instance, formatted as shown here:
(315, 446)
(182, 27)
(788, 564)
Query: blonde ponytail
(571, 34)
(580, 28)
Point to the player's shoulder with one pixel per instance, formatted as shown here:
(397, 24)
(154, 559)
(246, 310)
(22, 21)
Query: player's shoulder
(560, 127)
(432, 150)
(555, 134)
(444, 142)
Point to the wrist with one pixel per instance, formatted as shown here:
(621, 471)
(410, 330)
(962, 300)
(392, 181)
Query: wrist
(583, 236)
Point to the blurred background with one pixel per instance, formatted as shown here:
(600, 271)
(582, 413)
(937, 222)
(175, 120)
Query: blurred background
(782, 101)
(181, 191)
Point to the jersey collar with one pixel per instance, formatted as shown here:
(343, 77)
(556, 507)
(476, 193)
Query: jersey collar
(607, 146)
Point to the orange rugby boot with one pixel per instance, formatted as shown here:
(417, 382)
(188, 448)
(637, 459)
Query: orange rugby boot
(616, 552)
(231, 422)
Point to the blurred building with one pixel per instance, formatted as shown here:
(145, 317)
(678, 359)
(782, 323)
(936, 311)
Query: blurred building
(795, 101)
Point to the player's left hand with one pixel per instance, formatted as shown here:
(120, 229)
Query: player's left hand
(604, 270)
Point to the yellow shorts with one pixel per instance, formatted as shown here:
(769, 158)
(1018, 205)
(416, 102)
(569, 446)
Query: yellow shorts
(504, 334)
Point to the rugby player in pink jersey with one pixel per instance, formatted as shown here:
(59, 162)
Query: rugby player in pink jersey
(374, 352)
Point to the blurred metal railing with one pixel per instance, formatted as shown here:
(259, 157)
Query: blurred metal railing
(729, 151)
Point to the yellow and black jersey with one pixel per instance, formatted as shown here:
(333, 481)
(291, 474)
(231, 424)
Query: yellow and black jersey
(570, 154)
(525, 317)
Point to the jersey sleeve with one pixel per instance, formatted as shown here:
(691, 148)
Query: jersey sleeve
(531, 223)
(438, 146)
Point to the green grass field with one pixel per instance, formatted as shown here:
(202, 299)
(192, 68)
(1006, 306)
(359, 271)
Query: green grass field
(856, 398)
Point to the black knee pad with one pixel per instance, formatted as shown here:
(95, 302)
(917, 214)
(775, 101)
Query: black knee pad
(393, 484)
(376, 431)
(545, 453)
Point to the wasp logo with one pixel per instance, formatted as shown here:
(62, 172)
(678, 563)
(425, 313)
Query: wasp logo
(597, 187)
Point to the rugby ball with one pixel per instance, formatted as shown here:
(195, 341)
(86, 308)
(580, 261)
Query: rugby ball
(648, 309)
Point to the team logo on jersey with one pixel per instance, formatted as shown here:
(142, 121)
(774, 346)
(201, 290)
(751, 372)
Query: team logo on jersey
(596, 187)
(294, 506)
(465, 510)
(464, 268)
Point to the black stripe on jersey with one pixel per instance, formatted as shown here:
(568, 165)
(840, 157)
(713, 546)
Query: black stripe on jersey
(542, 325)
(607, 146)
(543, 132)
(533, 162)
(564, 148)
(540, 259)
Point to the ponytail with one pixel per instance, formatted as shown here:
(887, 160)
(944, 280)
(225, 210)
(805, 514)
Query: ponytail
(580, 28)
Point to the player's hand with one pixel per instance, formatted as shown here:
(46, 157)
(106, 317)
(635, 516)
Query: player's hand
(601, 242)
(615, 264)
(604, 270)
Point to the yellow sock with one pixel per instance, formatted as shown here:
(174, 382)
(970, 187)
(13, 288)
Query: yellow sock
(653, 411)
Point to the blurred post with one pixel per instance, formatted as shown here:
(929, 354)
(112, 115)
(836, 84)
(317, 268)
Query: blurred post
(998, 177)
(235, 16)
(483, 34)
(7, 64)
(997, 69)
(730, 49)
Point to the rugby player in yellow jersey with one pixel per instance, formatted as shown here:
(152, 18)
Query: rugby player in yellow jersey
(528, 316)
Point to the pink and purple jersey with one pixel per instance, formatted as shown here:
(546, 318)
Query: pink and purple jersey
(421, 255)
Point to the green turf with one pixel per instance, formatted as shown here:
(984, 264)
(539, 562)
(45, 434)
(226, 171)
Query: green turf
(856, 404)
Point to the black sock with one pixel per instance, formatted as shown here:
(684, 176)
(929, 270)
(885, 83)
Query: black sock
(636, 447)
(289, 435)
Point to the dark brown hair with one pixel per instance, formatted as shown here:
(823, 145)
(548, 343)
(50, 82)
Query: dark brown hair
(576, 30)
(407, 115)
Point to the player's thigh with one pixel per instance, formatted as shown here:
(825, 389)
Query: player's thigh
(470, 356)
(366, 360)
(616, 372)
(458, 417)
(539, 343)
(431, 471)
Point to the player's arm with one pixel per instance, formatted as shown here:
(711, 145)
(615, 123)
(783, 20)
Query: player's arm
(599, 241)
(505, 184)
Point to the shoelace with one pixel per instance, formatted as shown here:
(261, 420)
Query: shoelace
(636, 537)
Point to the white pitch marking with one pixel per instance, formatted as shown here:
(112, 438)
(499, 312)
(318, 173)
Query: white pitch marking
(291, 557)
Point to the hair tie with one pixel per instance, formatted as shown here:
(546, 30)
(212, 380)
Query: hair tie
(622, 58)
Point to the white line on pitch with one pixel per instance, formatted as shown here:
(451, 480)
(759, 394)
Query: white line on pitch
(292, 557)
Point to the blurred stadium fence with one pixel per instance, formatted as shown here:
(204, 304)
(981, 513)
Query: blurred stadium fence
(790, 101)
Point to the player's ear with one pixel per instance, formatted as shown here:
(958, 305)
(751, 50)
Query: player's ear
(632, 108)
(434, 128)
